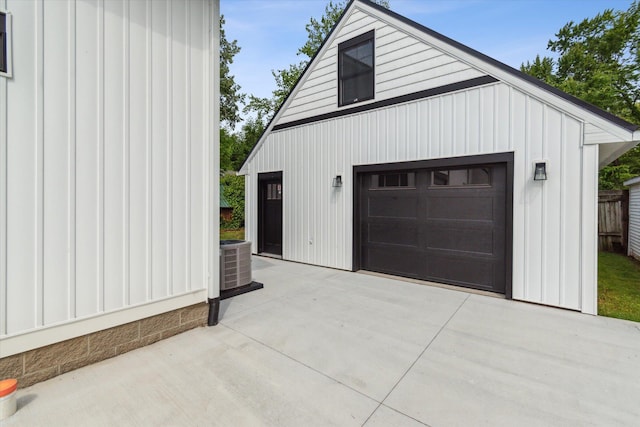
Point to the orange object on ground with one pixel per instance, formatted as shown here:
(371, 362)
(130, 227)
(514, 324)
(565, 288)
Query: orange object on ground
(8, 386)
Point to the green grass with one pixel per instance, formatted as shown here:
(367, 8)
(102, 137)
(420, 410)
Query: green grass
(232, 234)
(618, 286)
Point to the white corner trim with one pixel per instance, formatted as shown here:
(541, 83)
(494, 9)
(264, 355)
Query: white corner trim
(35, 338)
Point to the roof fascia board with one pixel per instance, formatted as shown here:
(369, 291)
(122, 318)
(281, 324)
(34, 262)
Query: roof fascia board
(632, 181)
(301, 80)
(503, 72)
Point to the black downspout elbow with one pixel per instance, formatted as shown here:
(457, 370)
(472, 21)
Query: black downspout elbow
(214, 310)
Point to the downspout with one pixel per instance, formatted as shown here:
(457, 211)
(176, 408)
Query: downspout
(214, 168)
(214, 311)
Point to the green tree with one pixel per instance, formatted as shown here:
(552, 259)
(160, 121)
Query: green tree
(230, 95)
(228, 142)
(251, 131)
(286, 79)
(230, 100)
(598, 60)
(233, 187)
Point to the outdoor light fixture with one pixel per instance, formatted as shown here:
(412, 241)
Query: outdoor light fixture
(540, 173)
(337, 181)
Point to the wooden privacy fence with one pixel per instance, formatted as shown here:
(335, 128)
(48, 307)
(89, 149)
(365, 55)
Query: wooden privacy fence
(613, 220)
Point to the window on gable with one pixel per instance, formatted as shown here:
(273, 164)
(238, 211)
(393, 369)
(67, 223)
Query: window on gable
(356, 69)
(3, 43)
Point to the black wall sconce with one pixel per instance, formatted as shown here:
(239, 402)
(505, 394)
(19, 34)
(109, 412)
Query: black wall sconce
(337, 181)
(540, 172)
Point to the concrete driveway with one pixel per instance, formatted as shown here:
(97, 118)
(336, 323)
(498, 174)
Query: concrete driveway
(321, 347)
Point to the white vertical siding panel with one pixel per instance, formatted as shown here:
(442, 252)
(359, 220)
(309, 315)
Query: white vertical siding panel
(88, 159)
(535, 204)
(115, 155)
(400, 134)
(56, 88)
(313, 191)
(3, 200)
(473, 113)
(138, 144)
(521, 177)
(502, 122)
(338, 196)
(393, 146)
(288, 233)
(412, 124)
(73, 143)
(634, 221)
(39, 123)
(149, 151)
(571, 215)
(22, 175)
(422, 135)
(459, 124)
(447, 120)
(325, 189)
(434, 119)
(589, 241)
(199, 141)
(180, 161)
(487, 119)
(160, 153)
(250, 212)
(553, 207)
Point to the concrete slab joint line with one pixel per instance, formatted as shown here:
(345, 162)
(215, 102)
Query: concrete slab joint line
(416, 360)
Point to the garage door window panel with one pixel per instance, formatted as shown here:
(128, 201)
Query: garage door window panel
(461, 177)
(395, 180)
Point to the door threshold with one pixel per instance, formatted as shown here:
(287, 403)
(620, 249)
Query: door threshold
(268, 255)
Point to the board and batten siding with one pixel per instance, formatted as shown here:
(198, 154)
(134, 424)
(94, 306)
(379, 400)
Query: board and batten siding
(403, 65)
(549, 250)
(105, 131)
(634, 218)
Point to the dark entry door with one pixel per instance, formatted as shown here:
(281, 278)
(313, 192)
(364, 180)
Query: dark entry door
(445, 225)
(270, 213)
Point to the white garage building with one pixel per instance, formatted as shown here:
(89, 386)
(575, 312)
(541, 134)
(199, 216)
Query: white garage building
(404, 152)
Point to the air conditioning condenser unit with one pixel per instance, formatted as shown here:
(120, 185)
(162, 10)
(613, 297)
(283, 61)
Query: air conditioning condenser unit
(235, 264)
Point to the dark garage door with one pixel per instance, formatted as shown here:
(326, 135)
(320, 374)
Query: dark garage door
(445, 225)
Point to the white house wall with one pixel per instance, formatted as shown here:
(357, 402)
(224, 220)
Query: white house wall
(404, 65)
(547, 238)
(634, 221)
(105, 158)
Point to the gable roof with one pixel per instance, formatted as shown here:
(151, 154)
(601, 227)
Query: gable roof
(517, 78)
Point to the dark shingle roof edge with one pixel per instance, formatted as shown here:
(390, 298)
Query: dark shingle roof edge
(517, 73)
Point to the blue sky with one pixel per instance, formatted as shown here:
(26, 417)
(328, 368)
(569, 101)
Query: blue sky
(512, 31)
